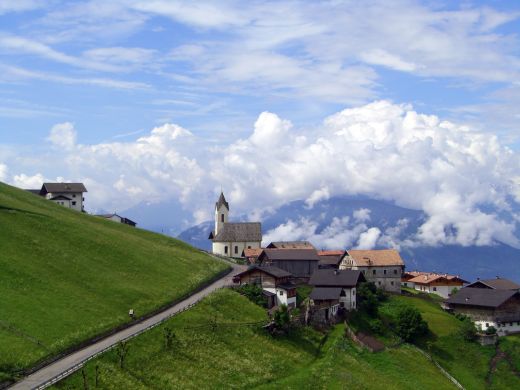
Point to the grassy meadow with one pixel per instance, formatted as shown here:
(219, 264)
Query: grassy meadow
(67, 276)
(225, 356)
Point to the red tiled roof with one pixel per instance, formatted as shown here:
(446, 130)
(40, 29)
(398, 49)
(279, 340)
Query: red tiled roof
(430, 277)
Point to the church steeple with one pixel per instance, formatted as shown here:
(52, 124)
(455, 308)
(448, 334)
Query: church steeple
(221, 201)
(221, 213)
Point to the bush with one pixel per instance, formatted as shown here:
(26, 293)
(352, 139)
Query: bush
(282, 318)
(467, 330)
(410, 324)
(254, 293)
(491, 330)
(376, 326)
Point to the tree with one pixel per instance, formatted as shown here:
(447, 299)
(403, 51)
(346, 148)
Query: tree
(122, 351)
(491, 330)
(467, 329)
(367, 298)
(169, 337)
(410, 324)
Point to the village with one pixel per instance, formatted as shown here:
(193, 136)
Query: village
(334, 276)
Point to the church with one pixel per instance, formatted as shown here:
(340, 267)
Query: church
(231, 238)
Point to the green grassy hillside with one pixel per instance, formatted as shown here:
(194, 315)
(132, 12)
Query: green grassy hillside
(67, 276)
(239, 356)
(469, 362)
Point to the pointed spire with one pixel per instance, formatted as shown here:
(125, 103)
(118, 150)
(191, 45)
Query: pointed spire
(222, 201)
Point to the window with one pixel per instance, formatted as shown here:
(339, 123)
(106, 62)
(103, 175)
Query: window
(405, 284)
(353, 292)
(281, 292)
(221, 217)
(373, 272)
(379, 283)
(487, 324)
(73, 195)
(384, 271)
(395, 272)
(225, 249)
(74, 203)
(236, 249)
(249, 247)
(392, 283)
(435, 289)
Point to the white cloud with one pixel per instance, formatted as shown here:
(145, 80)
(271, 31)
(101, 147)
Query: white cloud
(362, 215)
(63, 135)
(389, 151)
(382, 57)
(28, 182)
(7, 6)
(3, 172)
(317, 195)
(368, 239)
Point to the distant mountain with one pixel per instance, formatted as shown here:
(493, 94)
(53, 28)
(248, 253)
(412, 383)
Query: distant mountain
(393, 221)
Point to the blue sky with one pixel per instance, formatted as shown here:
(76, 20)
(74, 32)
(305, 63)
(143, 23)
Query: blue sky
(85, 82)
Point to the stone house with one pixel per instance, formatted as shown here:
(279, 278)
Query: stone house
(488, 307)
(382, 267)
(231, 238)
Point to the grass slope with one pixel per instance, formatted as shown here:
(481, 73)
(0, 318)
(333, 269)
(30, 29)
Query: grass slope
(247, 356)
(66, 276)
(468, 362)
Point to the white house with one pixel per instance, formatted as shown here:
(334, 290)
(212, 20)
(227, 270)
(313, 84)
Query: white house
(69, 195)
(232, 238)
(117, 218)
(432, 283)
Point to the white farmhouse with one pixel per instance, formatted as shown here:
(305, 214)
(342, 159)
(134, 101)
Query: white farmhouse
(231, 238)
(69, 195)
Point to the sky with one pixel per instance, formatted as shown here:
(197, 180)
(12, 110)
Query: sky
(145, 101)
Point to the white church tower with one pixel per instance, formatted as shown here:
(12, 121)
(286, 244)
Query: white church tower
(221, 213)
(231, 238)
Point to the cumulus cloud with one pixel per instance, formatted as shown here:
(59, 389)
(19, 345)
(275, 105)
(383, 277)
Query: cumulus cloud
(368, 239)
(391, 152)
(63, 135)
(362, 215)
(317, 195)
(465, 181)
(28, 182)
(3, 172)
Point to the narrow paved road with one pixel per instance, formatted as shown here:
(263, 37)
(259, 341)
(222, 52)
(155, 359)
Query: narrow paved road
(42, 376)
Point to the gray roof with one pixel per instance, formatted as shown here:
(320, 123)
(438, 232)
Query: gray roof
(497, 283)
(239, 232)
(330, 259)
(483, 297)
(291, 245)
(221, 201)
(289, 254)
(325, 293)
(63, 187)
(268, 269)
(336, 278)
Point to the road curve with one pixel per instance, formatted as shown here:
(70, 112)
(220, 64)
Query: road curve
(45, 374)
